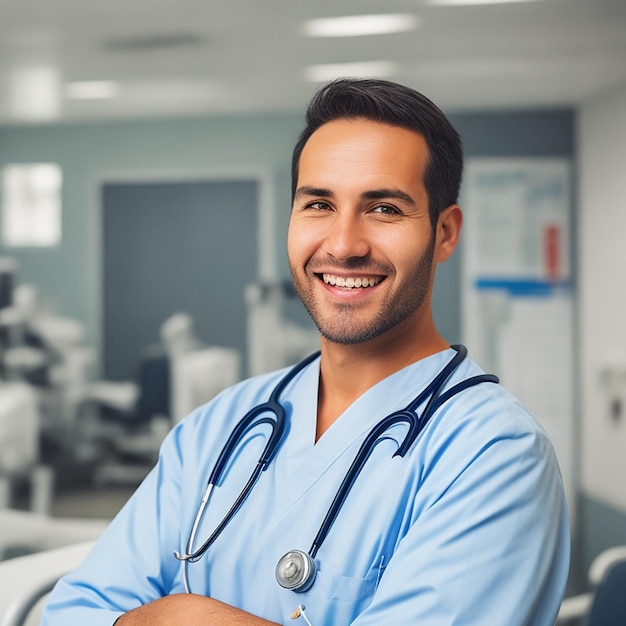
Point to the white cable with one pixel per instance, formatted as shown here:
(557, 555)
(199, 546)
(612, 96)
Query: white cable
(299, 612)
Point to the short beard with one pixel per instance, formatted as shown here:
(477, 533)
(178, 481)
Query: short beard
(398, 307)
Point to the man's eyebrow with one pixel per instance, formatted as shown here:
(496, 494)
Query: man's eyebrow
(313, 191)
(383, 194)
(373, 194)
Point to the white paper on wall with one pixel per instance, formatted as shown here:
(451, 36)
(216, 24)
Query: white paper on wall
(517, 290)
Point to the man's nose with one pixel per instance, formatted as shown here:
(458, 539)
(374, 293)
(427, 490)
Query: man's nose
(347, 237)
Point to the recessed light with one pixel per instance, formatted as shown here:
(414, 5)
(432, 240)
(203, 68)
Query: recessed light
(34, 93)
(92, 90)
(331, 71)
(358, 25)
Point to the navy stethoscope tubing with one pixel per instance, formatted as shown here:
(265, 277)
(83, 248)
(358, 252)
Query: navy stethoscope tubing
(296, 570)
(416, 425)
(270, 412)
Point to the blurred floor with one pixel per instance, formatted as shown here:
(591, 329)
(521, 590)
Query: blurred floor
(91, 502)
(82, 490)
(78, 494)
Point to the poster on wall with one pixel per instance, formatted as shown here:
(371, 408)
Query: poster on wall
(517, 287)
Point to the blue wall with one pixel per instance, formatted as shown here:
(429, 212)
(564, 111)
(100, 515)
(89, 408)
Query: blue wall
(87, 153)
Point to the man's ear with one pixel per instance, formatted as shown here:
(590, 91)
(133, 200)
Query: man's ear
(448, 230)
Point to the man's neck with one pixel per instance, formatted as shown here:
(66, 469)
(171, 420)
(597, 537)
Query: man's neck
(348, 371)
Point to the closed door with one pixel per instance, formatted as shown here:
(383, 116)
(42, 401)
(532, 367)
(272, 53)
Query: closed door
(171, 247)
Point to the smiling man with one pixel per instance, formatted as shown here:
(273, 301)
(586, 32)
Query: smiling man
(362, 251)
(397, 483)
(371, 245)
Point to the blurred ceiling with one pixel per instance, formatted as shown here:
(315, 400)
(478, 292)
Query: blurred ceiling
(188, 57)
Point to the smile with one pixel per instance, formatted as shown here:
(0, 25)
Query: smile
(350, 282)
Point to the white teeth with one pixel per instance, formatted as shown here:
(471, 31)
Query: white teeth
(351, 283)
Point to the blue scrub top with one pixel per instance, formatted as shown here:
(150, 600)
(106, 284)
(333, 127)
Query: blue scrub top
(470, 527)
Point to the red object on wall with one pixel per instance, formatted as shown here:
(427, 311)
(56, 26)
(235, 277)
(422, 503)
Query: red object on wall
(552, 251)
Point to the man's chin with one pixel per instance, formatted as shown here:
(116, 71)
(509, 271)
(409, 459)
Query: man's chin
(348, 336)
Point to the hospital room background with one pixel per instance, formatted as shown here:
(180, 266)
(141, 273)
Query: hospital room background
(143, 269)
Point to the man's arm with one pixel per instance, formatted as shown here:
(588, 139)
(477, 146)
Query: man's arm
(185, 609)
(130, 563)
(492, 549)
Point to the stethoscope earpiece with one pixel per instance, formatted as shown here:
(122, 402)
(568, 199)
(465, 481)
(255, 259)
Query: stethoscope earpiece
(296, 571)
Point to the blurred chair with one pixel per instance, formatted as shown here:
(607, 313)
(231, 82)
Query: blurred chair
(26, 581)
(199, 375)
(47, 351)
(19, 447)
(174, 377)
(605, 605)
(197, 372)
(70, 365)
(122, 424)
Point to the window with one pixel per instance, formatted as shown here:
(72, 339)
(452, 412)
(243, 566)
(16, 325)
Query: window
(31, 205)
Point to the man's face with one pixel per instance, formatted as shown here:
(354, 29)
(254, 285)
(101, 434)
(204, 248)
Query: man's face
(360, 244)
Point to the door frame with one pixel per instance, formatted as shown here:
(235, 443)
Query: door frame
(266, 231)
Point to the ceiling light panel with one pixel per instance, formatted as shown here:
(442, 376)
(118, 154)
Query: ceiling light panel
(360, 25)
(92, 90)
(34, 93)
(368, 69)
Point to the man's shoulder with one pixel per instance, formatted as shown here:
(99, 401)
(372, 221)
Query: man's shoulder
(493, 406)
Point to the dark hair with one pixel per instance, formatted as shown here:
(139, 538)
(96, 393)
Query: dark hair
(397, 105)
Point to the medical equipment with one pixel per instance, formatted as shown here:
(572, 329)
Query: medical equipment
(296, 570)
(280, 331)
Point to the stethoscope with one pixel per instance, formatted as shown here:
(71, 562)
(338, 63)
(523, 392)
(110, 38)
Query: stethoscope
(296, 570)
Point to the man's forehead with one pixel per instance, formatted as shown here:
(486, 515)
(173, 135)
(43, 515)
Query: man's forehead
(363, 147)
(360, 131)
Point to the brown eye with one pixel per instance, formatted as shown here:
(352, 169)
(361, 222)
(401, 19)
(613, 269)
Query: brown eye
(387, 209)
(320, 206)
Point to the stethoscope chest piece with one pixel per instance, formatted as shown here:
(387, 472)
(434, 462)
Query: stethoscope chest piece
(296, 571)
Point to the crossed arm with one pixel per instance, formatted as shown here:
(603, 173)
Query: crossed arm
(185, 609)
